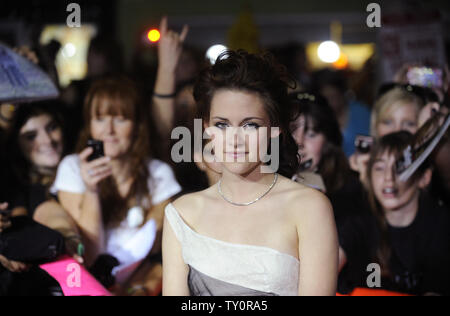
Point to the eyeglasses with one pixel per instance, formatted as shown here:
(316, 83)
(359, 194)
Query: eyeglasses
(426, 95)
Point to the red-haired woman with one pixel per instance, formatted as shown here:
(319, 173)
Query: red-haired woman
(117, 200)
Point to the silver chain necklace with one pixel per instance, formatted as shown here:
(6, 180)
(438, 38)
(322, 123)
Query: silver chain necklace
(249, 203)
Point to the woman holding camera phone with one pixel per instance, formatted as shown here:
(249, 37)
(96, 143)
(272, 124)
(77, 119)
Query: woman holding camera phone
(117, 200)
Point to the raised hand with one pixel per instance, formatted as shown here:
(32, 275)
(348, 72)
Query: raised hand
(92, 172)
(170, 45)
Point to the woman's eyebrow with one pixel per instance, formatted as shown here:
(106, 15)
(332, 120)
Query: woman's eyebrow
(220, 118)
(244, 120)
(252, 118)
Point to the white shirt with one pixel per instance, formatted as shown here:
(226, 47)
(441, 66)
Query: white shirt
(127, 242)
(163, 186)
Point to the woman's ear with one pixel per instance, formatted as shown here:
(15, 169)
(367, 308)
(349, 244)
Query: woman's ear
(425, 179)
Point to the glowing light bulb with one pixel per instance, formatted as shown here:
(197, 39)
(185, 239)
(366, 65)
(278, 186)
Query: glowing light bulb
(153, 35)
(69, 50)
(329, 52)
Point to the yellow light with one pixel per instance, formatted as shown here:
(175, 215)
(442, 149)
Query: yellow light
(357, 55)
(153, 35)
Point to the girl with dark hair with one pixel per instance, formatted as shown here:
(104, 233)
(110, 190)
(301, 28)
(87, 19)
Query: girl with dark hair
(116, 200)
(319, 139)
(255, 232)
(406, 233)
(35, 145)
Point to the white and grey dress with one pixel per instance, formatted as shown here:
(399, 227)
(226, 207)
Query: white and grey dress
(218, 268)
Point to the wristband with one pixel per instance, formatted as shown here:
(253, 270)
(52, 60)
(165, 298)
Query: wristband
(164, 96)
(80, 245)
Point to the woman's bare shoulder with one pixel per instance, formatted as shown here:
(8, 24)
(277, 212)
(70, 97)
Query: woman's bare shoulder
(190, 204)
(304, 201)
(294, 190)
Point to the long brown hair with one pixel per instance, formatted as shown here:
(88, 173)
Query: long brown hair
(119, 96)
(320, 117)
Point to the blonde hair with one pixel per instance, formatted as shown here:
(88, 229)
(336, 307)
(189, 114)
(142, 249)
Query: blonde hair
(388, 102)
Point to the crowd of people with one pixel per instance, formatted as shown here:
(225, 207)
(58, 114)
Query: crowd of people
(135, 218)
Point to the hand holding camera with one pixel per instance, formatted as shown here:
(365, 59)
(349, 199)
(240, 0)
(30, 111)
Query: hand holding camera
(95, 167)
(360, 159)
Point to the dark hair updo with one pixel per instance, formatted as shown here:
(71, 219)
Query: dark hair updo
(254, 73)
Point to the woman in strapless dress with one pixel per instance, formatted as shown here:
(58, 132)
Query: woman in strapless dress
(255, 232)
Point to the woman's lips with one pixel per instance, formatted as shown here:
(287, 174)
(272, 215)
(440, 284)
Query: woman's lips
(236, 154)
(112, 141)
(48, 151)
(389, 192)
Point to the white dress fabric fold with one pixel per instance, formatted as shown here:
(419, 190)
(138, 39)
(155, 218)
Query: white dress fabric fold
(218, 268)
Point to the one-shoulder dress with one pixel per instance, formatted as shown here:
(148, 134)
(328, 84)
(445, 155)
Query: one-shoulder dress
(219, 268)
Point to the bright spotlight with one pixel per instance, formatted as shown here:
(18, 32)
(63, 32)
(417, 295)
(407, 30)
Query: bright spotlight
(329, 52)
(214, 51)
(69, 50)
(153, 35)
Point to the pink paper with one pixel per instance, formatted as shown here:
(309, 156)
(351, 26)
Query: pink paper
(74, 279)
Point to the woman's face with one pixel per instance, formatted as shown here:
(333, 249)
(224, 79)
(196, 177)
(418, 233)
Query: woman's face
(309, 142)
(391, 193)
(403, 117)
(240, 129)
(115, 131)
(41, 141)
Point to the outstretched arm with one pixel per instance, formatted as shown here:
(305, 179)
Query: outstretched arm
(169, 52)
(52, 215)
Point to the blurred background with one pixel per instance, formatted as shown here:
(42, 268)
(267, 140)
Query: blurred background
(327, 46)
(411, 30)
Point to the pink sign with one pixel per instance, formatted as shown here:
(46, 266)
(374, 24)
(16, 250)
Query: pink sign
(74, 279)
